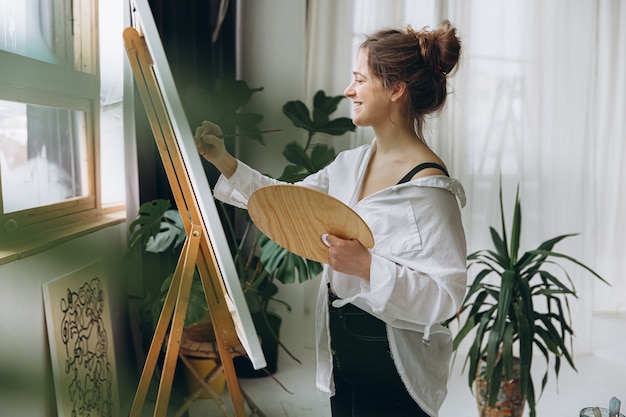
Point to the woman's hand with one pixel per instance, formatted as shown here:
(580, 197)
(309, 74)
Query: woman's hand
(209, 141)
(210, 144)
(348, 256)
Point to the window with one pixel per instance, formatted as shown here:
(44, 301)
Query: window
(50, 112)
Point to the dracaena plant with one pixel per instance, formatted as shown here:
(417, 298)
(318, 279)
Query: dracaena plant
(517, 306)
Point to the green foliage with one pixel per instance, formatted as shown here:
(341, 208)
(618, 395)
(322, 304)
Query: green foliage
(304, 160)
(155, 220)
(258, 272)
(303, 163)
(318, 121)
(283, 264)
(504, 313)
(222, 105)
(309, 158)
(159, 229)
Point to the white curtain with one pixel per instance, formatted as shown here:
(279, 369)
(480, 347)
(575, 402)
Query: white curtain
(539, 103)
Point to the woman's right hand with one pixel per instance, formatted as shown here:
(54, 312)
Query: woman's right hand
(210, 144)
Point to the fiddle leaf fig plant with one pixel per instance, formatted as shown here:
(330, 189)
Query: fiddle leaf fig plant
(312, 157)
(224, 102)
(518, 301)
(304, 160)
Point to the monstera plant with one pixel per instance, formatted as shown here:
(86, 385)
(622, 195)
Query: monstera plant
(518, 305)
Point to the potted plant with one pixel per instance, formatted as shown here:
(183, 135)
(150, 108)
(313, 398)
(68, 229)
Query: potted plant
(515, 307)
(258, 259)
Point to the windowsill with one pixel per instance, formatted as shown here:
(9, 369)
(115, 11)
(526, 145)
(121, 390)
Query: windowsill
(12, 251)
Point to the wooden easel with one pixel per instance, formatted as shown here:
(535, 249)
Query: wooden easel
(197, 252)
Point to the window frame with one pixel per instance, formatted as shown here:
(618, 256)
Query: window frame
(31, 81)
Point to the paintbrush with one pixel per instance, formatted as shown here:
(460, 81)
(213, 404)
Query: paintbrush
(614, 406)
(232, 135)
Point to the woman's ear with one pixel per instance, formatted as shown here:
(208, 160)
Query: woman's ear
(397, 91)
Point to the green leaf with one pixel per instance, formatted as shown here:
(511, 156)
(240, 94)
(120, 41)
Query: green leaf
(221, 104)
(503, 222)
(525, 329)
(465, 330)
(507, 351)
(314, 268)
(233, 94)
(318, 120)
(550, 243)
(516, 229)
(149, 223)
(569, 258)
(325, 104)
(321, 156)
(295, 154)
(293, 173)
(501, 255)
(298, 113)
(171, 235)
(284, 265)
(272, 255)
(558, 286)
(335, 127)
(494, 384)
(497, 332)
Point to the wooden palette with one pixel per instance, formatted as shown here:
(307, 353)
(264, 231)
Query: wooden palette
(295, 217)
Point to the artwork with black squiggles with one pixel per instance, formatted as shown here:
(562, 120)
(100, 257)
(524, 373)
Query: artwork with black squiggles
(87, 358)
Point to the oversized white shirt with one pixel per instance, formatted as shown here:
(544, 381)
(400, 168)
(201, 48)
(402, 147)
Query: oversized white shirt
(418, 270)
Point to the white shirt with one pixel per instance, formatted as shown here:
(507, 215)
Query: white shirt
(418, 270)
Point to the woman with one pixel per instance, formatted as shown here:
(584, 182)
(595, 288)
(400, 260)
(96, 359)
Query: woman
(381, 350)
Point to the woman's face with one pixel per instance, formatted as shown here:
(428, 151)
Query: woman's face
(368, 95)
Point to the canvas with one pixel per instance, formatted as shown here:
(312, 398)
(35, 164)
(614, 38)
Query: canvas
(169, 102)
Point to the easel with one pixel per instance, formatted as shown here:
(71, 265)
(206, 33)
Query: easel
(197, 252)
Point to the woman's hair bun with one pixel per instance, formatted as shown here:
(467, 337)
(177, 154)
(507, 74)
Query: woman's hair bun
(440, 48)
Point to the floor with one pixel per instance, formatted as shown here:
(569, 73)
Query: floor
(600, 376)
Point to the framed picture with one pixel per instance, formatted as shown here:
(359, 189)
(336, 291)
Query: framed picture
(80, 336)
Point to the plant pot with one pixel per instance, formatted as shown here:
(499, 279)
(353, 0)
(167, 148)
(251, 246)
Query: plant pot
(200, 352)
(509, 402)
(204, 367)
(269, 345)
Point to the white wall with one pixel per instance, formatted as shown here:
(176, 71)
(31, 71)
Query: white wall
(271, 54)
(26, 387)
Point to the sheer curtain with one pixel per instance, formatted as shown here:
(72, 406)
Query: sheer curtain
(538, 103)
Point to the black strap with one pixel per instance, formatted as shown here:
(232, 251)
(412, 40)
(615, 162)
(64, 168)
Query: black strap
(420, 167)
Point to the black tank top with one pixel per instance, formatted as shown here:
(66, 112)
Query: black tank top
(420, 167)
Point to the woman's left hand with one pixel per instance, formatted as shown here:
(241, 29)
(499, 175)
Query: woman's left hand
(348, 256)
